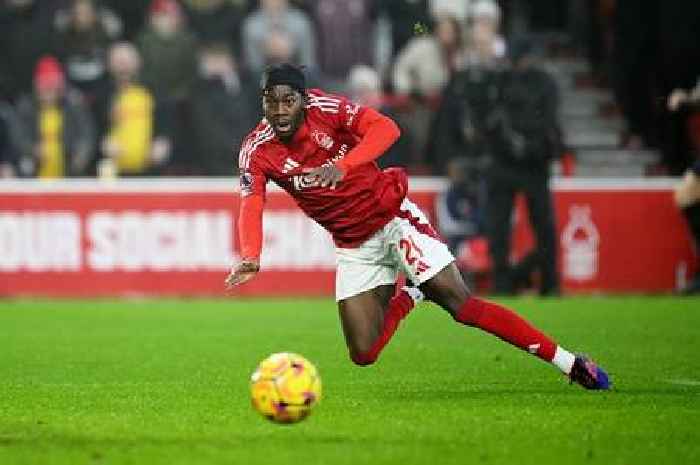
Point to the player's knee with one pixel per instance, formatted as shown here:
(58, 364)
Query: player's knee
(363, 358)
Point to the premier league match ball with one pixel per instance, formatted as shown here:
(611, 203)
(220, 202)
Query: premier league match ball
(285, 387)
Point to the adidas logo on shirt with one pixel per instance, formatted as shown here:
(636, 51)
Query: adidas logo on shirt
(289, 165)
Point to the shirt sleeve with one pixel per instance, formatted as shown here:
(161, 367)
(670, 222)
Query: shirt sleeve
(252, 187)
(376, 133)
(253, 178)
(338, 111)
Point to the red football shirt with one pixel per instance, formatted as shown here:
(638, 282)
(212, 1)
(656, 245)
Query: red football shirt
(365, 200)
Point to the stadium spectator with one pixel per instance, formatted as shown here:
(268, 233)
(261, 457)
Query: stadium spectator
(217, 21)
(404, 16)
(84, 32)
(7, 153)
(459, 10)
(460, 209)
(55, 133)
(427, 61)
(687, 192)
(133, 14)
(129, 119)
(463, 122)
(526, 139)
(345, 33)
(420, 73)
(634, 60)
(460, 216)
(169, 53)
(277, 16)
(25, 35)
(687, 198)
(655, 51)
(484, 42)
(364, 86)
(224, 106)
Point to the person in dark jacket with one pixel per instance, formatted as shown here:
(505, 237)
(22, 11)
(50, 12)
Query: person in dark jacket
(224, 108)
(7, 158)
(524, 139)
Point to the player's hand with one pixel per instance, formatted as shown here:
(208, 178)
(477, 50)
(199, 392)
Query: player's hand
(329, 175)
(242, 272)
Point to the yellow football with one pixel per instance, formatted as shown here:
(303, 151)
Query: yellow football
(285, 387)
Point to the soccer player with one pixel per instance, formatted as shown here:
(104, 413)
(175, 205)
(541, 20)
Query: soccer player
(321, 148)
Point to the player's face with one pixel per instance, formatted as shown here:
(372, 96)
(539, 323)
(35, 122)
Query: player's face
(284, 109)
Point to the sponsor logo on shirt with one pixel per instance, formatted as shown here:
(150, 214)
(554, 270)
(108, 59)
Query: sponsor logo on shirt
(303, 181)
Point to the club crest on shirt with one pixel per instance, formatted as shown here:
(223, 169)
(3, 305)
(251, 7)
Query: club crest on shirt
(322, 139)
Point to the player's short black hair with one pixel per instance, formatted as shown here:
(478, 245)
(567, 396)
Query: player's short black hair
(283, 74)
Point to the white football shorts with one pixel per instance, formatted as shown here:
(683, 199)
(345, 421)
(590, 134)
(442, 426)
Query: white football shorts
(406, 244)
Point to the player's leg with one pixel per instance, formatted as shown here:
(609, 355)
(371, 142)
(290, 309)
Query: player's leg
(365, 286)
(448, 290)
(371, 318)
(429, 264)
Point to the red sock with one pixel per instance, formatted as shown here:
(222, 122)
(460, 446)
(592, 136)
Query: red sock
(507, 325)
(399, 307)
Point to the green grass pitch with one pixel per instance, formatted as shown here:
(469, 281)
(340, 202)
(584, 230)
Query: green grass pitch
(166, 382)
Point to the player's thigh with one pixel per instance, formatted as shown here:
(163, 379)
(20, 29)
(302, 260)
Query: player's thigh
(364, 268)
(447, 289)
(362, 317)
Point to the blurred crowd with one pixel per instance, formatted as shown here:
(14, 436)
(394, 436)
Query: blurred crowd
(150, 87)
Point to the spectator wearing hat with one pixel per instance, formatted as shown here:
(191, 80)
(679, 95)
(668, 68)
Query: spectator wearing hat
(55, 133)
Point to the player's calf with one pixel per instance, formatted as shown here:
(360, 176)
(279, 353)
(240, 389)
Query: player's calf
(399, 307)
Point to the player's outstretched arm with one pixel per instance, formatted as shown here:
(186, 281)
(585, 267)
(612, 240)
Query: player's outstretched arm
(250, 238)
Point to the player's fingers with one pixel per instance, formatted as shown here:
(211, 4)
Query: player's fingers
(245, 277)
(230, 281)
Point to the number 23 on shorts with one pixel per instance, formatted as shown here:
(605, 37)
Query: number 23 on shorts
(413, 255)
